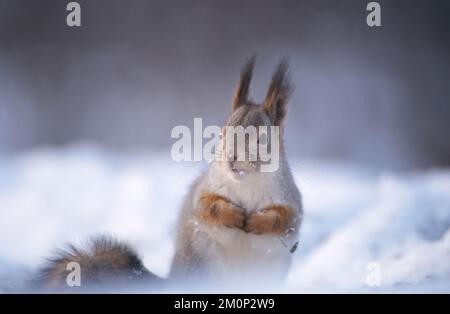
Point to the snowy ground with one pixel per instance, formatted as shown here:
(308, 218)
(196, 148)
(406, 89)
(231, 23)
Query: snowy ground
(360, 228)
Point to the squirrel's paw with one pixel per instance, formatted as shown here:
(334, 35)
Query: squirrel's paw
(218, 210)
(274, 220)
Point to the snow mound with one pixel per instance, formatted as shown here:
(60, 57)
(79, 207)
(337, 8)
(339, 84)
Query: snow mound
(363, 231)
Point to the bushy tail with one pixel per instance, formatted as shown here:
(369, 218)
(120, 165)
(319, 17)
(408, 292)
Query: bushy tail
(104, 264)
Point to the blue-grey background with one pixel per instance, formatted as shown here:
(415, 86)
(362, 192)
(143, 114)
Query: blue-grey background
(86, 115)
(135, 69)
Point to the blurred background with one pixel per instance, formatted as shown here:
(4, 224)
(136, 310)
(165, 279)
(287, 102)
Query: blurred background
(135, 69)
(86, 114)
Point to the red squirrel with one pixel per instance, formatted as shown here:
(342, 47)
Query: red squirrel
(238, 225)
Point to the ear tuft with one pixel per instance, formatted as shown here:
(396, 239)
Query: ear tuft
(241, 96)
(280, 90)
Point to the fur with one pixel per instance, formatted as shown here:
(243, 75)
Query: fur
(104, 263)
(257, 252)
(233, 229)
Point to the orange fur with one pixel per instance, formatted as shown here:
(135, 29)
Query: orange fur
(275, 220)
(218, 210)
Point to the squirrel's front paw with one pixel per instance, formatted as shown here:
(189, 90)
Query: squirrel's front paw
(275, 220)
(218, 210)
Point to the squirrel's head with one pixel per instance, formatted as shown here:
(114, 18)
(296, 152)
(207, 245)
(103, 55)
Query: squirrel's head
(262, 124)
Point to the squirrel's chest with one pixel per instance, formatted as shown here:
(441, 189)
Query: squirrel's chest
(251, 195)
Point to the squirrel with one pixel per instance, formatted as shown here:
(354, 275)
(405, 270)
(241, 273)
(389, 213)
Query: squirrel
(238, 225)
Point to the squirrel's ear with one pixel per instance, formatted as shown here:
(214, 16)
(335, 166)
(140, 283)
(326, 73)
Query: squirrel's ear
(241, 96)
(278, 94)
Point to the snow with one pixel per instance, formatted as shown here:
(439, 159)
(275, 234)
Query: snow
(364, 231)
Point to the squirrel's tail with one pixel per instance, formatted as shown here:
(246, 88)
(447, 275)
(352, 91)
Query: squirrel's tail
(104, 264)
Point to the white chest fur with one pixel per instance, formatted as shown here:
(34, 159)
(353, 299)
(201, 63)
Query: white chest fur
(235, 251)
(251, 193)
